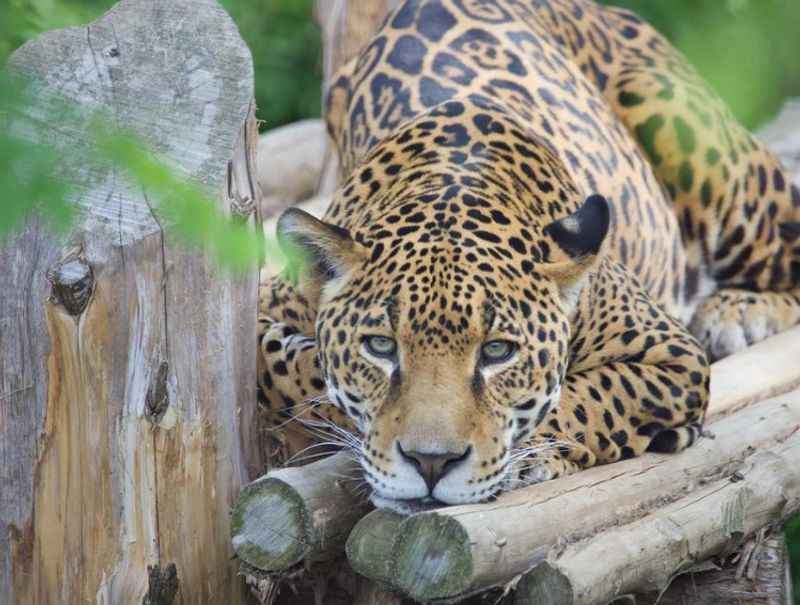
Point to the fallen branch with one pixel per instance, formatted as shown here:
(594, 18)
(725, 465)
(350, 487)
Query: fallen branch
(289, 164)
(297, 514)
(465, 549)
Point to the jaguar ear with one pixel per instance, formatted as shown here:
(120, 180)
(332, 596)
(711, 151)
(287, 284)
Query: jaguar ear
(579, 238)
(320, 255)
(789, 231)
(581, 234)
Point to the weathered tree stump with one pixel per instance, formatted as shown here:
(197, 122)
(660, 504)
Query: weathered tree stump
(127, 360)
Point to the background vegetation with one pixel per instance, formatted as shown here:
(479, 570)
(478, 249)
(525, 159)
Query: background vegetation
(748, 50)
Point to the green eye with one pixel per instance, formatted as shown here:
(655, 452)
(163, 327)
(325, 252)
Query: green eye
(381, 346)
(497, 351)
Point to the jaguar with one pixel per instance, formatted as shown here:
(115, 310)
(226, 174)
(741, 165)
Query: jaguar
(547, 225)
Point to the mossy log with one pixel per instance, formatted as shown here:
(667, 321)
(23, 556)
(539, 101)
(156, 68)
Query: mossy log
(461, 550)
(297, 514)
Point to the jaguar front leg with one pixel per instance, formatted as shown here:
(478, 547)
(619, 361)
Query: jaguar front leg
(731, 319)
(642, 386)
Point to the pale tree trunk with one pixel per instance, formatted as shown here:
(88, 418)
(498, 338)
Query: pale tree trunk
(127, 360)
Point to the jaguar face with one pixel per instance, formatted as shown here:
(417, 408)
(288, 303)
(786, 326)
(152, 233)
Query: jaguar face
(445, 355)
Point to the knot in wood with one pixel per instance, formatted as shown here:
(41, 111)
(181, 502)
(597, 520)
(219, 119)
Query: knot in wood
(157, 398)
(162, 586)
(72, 282)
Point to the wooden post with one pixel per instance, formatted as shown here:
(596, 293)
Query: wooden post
(127, 361)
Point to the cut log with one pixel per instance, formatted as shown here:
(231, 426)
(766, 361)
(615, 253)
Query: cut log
(126, 360)
(298, 514)
(465, 549)
(764, 370)
(290, 163)
(647, 554)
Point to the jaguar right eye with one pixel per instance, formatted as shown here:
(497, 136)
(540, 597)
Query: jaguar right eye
(381, 346)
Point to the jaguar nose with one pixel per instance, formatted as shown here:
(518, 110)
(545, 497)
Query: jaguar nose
(432, 467)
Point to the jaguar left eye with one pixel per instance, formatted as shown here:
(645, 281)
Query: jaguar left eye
(497, 351)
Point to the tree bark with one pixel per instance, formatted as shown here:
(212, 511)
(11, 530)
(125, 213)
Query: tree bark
(126, 360)
(460, 550)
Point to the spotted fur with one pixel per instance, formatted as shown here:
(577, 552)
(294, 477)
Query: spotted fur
(550, 173)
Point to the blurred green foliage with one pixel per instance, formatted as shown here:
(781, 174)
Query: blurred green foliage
(748, 50)
(190, 212)
(27, 170)
(793, 539)
(21, 20)
(287, 57)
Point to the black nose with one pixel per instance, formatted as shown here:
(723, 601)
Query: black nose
(433, 467)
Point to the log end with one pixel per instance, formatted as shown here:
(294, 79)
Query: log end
(425, 556)
(269, 525)
(544, 584)
(371, 543)
(434, 556)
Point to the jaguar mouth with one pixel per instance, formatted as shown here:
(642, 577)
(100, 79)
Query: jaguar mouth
(408, 507)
